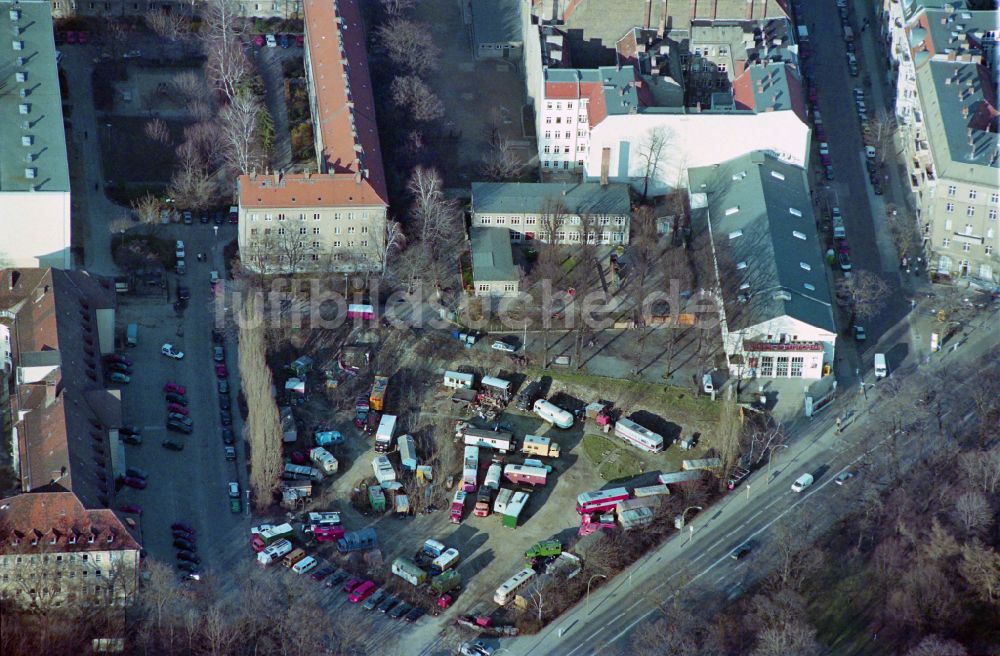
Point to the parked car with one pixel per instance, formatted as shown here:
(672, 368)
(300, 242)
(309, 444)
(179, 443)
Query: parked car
(300, 40)
(135, 483)
(845, 261)
(173, 445)
(189, 557)
(352, 584)
(845, 476)
(284, 41)
(174, 388)
(258, 40)
(181, 268)
(387, 604)
(190, 568)
(177, 408)
(118, 377)
(828, 172)
(183, 544)
(179, 249)
(824, 152)
(299, 458)
(374, 600)
(476, 648)
(183, 535)
(221, 371)
(187, 217)
(178, 427)
(400, 610)
(500, 345)
(234, 489)
(181, 419)
(223, 386)
(119, 367)
(218, 337)
(415, 614)
(224, 403)
(203, 218)
(131, 509)
(129, 430)
(169, 351)
(271, 41)
(179, 399)
(183, 293)
(182, 526)
(321, 574)
(219, 353)
(859, 333)
(335, 579)
(227, 435)
(225, 418)
(136, 472)
(741, 551)
(230, 453)
(132, 438)
(114, 357)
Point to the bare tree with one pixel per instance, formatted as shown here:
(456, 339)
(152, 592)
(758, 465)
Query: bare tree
(652, 150)
(791, 637)
(147, 208)
(396, 8)
(226, 66)
(239, 123)
(903, 230)
(389, 245)
(500, 162)
(729, 435)
(880, 129)
(980, 566)
(409, 45)
(263, 426)
(972, 511)
(170, 26)
(868, 292)
(193, 186)
(157, 131)
(982, 468)
(410, 93)
(438, 221)
(934, 645)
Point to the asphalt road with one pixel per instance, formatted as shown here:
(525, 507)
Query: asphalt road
(190, 485)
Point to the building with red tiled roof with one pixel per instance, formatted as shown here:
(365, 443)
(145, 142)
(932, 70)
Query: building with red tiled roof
(55, 326)
(334, 217)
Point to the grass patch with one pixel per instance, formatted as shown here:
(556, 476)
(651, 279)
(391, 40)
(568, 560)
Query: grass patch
(614, 463)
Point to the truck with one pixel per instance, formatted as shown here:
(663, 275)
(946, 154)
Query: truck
(544, 549)
(293, 472)
(293, 557)
(357, 540)
(132, 335)
(274, 552)
(519, 474)
(536, 445)
(678, 477)
(503, 499)
(702, 463)
(267, 537)
(384, 433)
(500, 440)
(407, 452)
(483, 500)
(376, 400)
(517, 503)
(553, 414)
(493, 475)
(402, 505)
(328, 533)
(447, 560)
(430, 550)
(457, 506)
(376, 497)
(324, 460)
(384, 471)
(361, 410)
(638, 436)
(470, 468)
(328, 438)
(407, 570)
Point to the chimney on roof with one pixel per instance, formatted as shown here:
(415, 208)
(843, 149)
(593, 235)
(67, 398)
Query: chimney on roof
(306, 172)
(358, 177)
(277, 177)
(698, 107)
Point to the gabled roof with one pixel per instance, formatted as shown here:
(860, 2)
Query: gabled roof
(764, 236)
(769, 88)
(492, 258)
(57, 521)
(539, 197)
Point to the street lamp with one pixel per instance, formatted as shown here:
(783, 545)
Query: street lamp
(595, 576)
(769, 454)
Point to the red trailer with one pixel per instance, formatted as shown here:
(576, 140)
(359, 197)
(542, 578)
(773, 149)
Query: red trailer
(525, 474)
(458, 506)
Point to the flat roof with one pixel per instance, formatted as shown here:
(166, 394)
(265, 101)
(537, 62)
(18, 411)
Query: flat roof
(32, 137)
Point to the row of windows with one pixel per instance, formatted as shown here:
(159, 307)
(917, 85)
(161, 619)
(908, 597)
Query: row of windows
(58, 4)
(508, 287)
(316, 244)
(966, 247)
(58, 558)
(529, 220)
(969, 230)
(768, 368)
(559, 105)
(973, 194)
(970, 211)
(554, 150)
(302, 231)
(350, 216)
(565, 135)
(554, 165)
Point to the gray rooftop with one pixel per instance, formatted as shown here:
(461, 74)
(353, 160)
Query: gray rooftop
(492, 258)
(32, 140)
(538, 197)
(496, 21)
(764, 234)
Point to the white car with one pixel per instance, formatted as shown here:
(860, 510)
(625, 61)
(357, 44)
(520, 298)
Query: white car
(168, 350)
(234, 490)
(179, 248)
(271, 41)
(503, 346)
(802, 482)
(477, 648)
(254, 530)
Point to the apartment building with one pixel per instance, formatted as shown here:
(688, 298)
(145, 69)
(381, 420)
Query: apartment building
(34, 170)
(138, 8)
(945, 58)
(563, 213)
(776, 314)
(54, 327)
(333, 219)
(711, 80)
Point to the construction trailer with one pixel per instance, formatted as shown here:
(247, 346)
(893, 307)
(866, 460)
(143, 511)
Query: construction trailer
(514, 509)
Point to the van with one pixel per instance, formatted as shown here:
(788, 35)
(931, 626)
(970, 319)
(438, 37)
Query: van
(707, 384)
(880, 368)
(306, 564)
(295, 556)
(132, 335)
(362, 592)
(802, 482)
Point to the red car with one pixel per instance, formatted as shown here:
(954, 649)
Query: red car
(221, 371)
(70, 37)
(299, 458)
(234, 217)
(131, 509)
(178, 408)
(133, 482)
(82, 37)
(181, 526)
(121, 359)
(352, 584)
(300, 40)
(259, 40)
(174, 388)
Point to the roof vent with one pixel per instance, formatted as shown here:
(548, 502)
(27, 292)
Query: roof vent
(20, 61)
(30, 157)
(24, 108)
(794, 212)
(21, 76)
(18, 44)
(23, 92)
(809, 286)
(799, 235)
(806, 266)
(30, 173)
(735, 233)
(732, 210)
(782, 295)
(780, 176)
(27, 140)
(741, 265)
(15, 15)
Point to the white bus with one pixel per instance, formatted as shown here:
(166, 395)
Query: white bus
(639, 436)
(511, 586)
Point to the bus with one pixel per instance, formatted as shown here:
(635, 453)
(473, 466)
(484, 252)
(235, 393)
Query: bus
(511, 586)
(639, 436)
(600, 500)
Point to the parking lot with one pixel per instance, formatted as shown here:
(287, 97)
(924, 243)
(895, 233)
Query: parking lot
(189, 485)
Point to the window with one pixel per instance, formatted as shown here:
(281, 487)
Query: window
(993, 215)
(949, 207)
(547, 150)
(945, 243)
(782, 367)
(268, 217)
(314, 257)
(972, 194)
(548, 134)
(548, 119)
(966, 248)
(364, 243)
(281, 231)
(565, 149)
(558, 105)
(486, 220)
(951, 190)
(336, 230)
(336, 216)
(970, 210)
(484, 287)
(316, 217)
(579, 162)
(336, 244)
(569, 119)
(797, 367)
(515, 220)
(989, 250)
(581, 133)
(316, 244)
(364, 230)
(548, 105)
(767, 365)
(302, 231)
(995, 198)
(569, 105)
(968, 229)
(316, 231)
(581, 148)
(546, 163)
(722, 67)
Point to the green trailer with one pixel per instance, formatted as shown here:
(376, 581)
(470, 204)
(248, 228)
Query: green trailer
(376, 497)
(544, 549)
(514, 508)
(446, 582)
